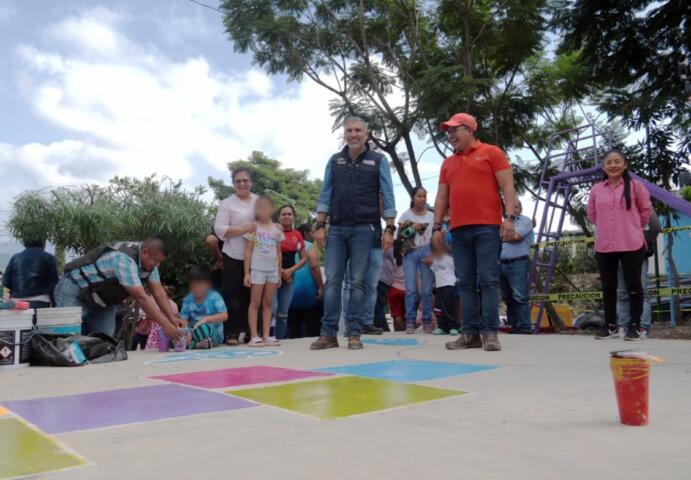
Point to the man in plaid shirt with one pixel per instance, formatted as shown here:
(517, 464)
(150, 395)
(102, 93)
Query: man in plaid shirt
(106, 275)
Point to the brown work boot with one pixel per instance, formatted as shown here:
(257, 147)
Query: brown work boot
(490, 342)
(354, 343)
(322, 343)
(464, 341)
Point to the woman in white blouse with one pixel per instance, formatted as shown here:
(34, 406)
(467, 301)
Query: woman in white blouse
(234, 219)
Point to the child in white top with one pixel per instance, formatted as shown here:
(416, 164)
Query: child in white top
(441, 264)
(263, 269)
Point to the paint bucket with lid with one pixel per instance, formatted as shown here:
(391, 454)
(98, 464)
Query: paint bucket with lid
(59, 320)
(16, 329)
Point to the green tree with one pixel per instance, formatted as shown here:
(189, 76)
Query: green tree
(79, 219)
(284, 185)
(404, 65)
(630, 54)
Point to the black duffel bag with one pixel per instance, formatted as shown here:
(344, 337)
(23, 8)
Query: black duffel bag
(73, 350)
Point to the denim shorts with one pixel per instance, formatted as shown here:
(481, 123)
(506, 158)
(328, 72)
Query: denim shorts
(261, 277)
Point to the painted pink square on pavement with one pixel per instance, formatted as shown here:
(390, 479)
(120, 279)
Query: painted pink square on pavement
(233, 377)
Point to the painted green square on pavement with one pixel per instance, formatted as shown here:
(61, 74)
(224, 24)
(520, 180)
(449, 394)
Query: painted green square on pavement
(343, 396)
(27, 451)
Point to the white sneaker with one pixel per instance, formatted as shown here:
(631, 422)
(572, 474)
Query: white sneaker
(622, 332)
(256, 342)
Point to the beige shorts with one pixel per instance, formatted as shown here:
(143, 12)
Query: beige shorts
(261, 277)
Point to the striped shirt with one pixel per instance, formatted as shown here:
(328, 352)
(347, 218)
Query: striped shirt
(115, 265)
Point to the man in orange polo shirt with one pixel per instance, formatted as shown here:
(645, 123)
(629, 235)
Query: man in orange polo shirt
(469, 184)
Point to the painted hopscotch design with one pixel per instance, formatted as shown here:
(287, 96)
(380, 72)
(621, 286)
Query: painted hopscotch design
(225, 354)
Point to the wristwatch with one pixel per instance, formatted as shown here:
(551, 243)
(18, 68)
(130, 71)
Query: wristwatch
(390, 228)
(437, 227)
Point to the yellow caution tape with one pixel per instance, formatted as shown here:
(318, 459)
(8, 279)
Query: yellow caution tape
(565, 241)
(580, 239)
(597, 295)
(676, 229)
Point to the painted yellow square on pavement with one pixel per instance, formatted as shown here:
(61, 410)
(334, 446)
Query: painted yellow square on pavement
(343, 396)
(25, 450)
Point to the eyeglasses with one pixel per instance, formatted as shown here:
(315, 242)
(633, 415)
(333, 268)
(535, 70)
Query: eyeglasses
(452, 130)
(242, 180)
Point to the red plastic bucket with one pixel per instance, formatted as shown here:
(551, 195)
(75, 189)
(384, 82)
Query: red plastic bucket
(631, 384)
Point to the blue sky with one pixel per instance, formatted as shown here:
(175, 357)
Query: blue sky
(94, 89)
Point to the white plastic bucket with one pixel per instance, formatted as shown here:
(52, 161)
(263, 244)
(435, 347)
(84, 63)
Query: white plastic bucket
(63, 320)
(15, 333)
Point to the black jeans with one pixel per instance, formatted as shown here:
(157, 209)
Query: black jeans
(236, 296)
(305, 322)
(380, 306)
(631, 263)
(445, 308)
(139, 340)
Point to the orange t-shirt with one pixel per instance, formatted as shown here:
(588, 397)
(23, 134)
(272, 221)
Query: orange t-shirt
(473, 188)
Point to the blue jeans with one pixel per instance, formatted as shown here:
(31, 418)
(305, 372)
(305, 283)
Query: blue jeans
(282, 299)
(623, 299)
(93, 319)
(347, 246)
(476, 259)
(376, 259)
(412, 263)
(514, 290)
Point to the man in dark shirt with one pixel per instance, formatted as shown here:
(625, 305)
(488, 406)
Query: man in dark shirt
(31, 275)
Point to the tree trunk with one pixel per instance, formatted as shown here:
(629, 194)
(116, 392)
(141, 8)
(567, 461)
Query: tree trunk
(60, 258)
(399, 166)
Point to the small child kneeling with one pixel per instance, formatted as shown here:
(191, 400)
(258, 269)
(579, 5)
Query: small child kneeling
(204, 310)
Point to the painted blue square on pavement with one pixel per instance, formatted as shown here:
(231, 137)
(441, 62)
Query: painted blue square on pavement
(395, 342)
(407, 370)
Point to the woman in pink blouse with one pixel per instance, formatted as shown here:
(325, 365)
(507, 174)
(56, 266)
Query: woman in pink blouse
(619, 207)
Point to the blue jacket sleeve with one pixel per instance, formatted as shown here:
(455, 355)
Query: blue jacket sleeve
(7, 275)
(386, 185)
(324, 203)
(523, 226)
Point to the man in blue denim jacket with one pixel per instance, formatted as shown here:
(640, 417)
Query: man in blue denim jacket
(354, 180)
(31, 275)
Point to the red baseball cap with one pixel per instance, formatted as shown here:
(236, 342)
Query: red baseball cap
(464, 119)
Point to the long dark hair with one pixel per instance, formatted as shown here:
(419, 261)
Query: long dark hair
(287, 205)
(280, 210)
(305, 229)
(625, 176)
(413, 193)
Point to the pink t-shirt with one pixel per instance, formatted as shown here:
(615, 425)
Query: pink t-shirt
(616, 228)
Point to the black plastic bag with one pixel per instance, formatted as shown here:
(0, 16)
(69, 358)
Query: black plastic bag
(74, 350)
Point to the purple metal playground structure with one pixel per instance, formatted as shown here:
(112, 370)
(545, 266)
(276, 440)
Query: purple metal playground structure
(573, 159)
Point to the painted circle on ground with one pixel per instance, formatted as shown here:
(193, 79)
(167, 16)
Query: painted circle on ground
(397, 342)
(225, 354)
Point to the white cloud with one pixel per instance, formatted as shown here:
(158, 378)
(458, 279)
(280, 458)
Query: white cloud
(132, 110)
